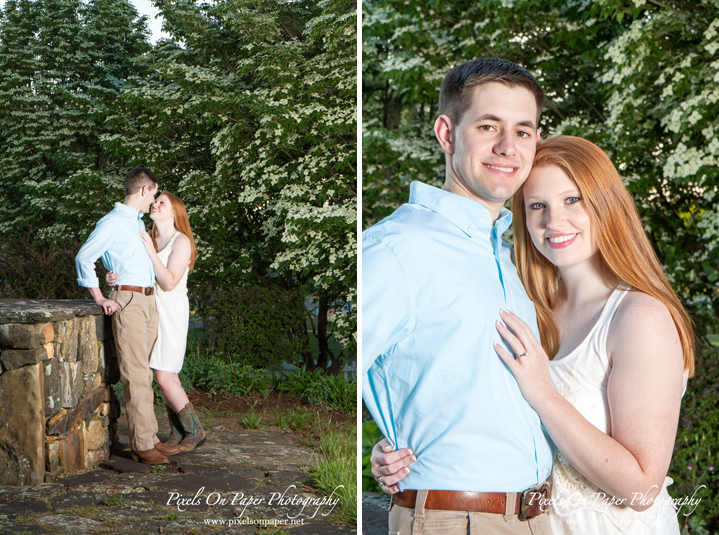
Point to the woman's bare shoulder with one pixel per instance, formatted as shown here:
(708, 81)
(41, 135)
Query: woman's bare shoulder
(642, 321)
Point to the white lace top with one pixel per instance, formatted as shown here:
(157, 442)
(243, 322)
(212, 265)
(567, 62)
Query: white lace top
(578, 506)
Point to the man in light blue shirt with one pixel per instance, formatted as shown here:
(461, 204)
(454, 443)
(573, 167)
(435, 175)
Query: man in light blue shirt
(116, 239)
(435, 275)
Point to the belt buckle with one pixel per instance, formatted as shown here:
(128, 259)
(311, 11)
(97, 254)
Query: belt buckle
(535, 493)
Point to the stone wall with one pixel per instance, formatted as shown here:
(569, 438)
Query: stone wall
(57, 409)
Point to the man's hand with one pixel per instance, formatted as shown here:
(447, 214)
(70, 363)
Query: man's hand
(389, 467)
(108, 306)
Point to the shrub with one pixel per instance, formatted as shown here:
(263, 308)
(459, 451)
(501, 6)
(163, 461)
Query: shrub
(216, 374)
(321, 389)
(35, 269)
(694, 461)
(252, 324)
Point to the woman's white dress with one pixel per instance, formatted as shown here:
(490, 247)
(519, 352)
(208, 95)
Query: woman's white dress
(173, 311)
(578, 506)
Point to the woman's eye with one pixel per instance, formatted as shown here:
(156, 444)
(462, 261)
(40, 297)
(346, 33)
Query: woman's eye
(572, 200)
(536, 206)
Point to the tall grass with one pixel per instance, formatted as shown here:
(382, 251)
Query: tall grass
(336, 474)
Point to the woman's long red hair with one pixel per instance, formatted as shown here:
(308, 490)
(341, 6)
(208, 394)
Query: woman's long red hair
(182, 224)
(625, 250)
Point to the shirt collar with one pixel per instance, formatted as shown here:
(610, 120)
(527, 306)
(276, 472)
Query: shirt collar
(471, 217)
(128, 210)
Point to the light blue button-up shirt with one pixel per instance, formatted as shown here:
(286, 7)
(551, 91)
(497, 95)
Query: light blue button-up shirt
(434, 276)
(116, 239)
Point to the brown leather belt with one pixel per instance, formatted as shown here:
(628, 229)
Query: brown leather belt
(530, 503)
(138, 289)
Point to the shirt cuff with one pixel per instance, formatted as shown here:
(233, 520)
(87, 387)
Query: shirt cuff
(90, 282)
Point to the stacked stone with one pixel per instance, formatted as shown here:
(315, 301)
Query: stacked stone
(57, 409)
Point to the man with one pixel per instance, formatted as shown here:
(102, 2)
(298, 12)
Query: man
(435, 276)
(116, 239)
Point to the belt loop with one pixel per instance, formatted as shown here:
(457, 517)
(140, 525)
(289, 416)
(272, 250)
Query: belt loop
(510, 506)
(419, 511)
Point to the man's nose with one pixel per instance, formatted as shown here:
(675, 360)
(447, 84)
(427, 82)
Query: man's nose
(506, 145)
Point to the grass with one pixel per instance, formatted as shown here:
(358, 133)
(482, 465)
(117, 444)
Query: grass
(89, 511)
(215, 413)
(252, 420)
(158, 468)
(26, 517)
(114, 501)
(336, 474)
(169, 517)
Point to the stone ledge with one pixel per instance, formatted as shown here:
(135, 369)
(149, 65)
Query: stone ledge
(36, 311)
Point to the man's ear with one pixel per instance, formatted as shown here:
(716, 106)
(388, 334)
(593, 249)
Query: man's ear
(539, 136)
(443, 131)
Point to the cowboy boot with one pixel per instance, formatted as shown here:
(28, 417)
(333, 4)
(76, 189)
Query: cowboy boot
(176, 431)
(194, 434)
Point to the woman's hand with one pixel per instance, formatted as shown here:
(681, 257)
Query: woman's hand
(529, 364)
(389, 467)
(111, 278)
(147, 241)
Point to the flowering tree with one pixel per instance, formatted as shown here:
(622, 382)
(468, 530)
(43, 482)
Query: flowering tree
(250, 113)
(62, 63)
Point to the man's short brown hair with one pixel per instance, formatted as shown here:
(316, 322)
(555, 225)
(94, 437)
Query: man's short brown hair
(138, 177)
(455, 95)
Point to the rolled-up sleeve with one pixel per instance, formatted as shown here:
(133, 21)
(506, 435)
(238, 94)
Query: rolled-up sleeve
(95, 246)
(387, 304)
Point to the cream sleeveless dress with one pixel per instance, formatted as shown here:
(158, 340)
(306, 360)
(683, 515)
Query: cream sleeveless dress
(578, 506)
(173, 311)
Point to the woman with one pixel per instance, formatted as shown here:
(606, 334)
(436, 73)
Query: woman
(171, 247)
(619, 340)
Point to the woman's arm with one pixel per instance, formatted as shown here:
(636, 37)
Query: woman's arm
(644, 395)
(169, 277)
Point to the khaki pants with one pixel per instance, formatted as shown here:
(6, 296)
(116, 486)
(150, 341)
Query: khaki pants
(419, 521)
(134, 325)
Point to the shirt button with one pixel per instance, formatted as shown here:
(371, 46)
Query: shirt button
(470, 229)
(484, 215)
(536, 421)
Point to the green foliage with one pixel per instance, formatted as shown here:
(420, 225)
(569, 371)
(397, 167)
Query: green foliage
(320, 389)
(218, 375)
(336, 474)
(37, 269)
(248, 112)
(370, 436)
(253, 325)
(62, 64)
(252, 420)
(252, 121)
(695, 461)
(114, 500)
